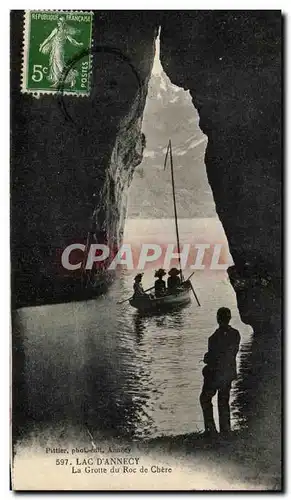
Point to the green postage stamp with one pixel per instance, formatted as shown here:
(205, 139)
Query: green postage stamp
(57, 52)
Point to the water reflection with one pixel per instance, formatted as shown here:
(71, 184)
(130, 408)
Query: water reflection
(172, 319)
(258, 388)
(118, 371)
(139, 322)
(239, 404)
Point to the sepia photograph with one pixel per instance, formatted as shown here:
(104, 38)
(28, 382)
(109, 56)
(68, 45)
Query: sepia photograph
(146, 250)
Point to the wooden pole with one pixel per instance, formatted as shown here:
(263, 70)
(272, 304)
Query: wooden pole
(175, 207)
(195, 294)
(190, 276)
(128, 298)
(192, 288)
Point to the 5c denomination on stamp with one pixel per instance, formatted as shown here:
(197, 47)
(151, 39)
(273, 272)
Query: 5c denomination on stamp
(56, 52)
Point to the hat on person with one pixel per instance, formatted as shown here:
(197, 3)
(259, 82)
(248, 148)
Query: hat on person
(160, 272)
(174, 271)
(138, 276)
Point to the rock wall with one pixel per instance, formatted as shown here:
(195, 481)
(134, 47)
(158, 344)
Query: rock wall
(231, 63)
(71, 170)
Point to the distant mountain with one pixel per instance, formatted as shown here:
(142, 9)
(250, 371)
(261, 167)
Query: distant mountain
(169, 113)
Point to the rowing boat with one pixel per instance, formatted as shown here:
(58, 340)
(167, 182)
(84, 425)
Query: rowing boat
(150, 303)
(181, 296)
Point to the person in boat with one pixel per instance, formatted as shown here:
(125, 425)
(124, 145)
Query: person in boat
(219, 372)
(160, 285)
(174, 280)
(137, 286)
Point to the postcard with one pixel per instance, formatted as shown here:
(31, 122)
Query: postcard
(146, 285)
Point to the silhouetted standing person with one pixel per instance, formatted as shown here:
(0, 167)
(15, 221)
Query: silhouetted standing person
(219, 372)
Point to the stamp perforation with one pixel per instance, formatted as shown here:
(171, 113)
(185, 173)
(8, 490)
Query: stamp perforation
(37, 92)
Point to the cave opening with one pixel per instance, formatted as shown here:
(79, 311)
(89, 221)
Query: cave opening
(170, 114)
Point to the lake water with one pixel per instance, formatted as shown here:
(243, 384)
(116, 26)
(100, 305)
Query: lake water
(105, 365)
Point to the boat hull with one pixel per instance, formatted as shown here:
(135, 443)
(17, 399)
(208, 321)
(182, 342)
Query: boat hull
(167, 302)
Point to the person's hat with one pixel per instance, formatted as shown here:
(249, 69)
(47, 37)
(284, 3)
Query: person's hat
(138, 276)
(174, 271)
(160, 272)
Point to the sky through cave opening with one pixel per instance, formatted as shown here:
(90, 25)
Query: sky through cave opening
(170, 114)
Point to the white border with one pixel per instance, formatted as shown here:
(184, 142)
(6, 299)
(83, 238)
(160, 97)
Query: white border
(153, 5)
(285, 5)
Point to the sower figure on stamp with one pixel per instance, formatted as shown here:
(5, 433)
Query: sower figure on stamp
(219, 372)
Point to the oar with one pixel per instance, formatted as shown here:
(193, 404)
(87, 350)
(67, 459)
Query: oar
(128, 298)
(195, 294)
(188, 279)
(190, 276)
